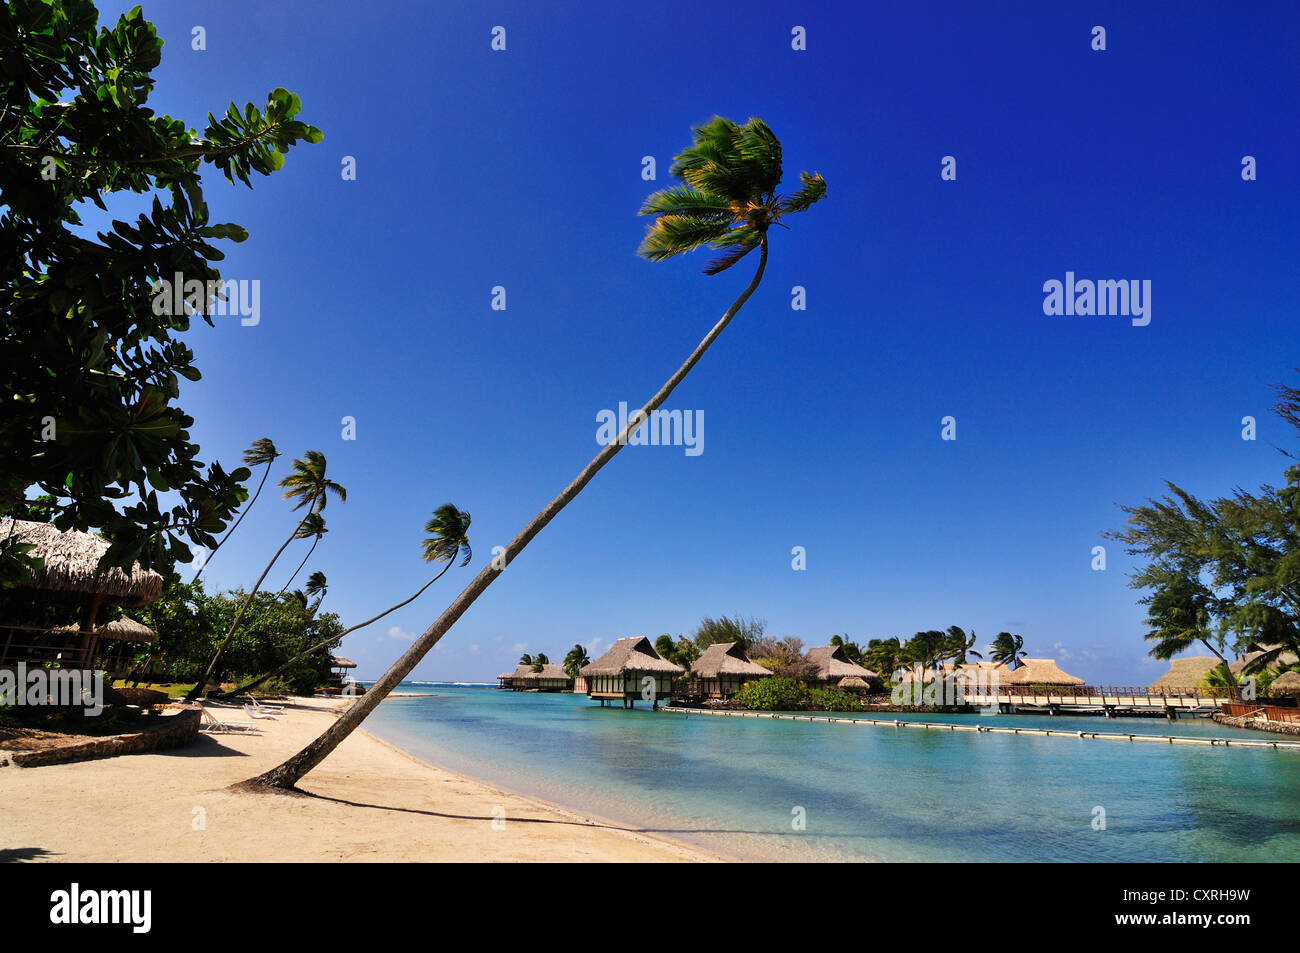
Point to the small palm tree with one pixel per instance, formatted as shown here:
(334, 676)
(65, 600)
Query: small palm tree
(540, 661)
(1008, 650)
(883, 656)
(448, 539)
(575, 660)
(852, 651)
(262, 452)
(526, 659)
(960, 645)
(727, 200)
(316, 586)
(308, 484)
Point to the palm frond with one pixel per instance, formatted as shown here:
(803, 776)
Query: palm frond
(812, 190)
(723, 262)
(685, 200)
(673, 234)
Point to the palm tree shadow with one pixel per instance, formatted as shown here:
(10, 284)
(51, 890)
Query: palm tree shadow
(539, 820)
(14, 855)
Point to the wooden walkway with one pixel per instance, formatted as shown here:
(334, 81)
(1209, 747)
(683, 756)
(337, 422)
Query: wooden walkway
(1040, 732)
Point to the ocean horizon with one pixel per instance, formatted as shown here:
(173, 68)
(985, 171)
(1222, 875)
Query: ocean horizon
(767, 789)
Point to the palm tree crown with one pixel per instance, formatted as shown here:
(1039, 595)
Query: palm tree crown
(728, 199)
(309, 485)
(448, 531)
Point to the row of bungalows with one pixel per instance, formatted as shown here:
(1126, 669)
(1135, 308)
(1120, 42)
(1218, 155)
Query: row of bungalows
(551, 678)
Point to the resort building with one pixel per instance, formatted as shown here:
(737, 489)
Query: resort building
(1038, 671)
(551, 678)
(723, 669)
(630, 670)
(1282, 660)
(1185, 676)
(339, 669)
(831, 665)
(69, 584)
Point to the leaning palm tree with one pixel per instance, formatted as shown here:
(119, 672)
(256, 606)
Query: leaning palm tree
(448, 538)
(308, 484)
(728, 200)
(313, 528)
(316, 586)
(526, 659)
(960, 645)
(261, 452)
(1008, 650)
(540, 661)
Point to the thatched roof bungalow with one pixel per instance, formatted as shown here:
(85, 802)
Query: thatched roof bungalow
(830, 665)
(1184, 675)
(1283, 659)
(552, 678)
(724, 668)
(631, 669)
(1038, 671)
(70, 564)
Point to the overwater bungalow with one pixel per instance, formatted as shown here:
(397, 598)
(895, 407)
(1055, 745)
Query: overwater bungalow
(1185, 675)
(1282, 660)
(723, 669)
(69, 583)
(1288, 683)
(831, 665)
(630, 670)
(551, 678)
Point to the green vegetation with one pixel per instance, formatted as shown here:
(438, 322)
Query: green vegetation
(1223, 573)
(91, 420)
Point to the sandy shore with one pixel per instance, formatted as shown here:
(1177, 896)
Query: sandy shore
(371, 802)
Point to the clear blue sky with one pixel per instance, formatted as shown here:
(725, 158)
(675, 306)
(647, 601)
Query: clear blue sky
(822, 428)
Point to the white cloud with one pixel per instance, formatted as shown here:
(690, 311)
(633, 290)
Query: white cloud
(519, 646)
(397, 635)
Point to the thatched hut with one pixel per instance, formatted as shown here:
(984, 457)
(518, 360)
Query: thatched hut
(831, 665)
(1288, 683)
(724, 668)
(551, 678)
(631, 669)
(70, 564)
(506, 680)
(119, 632)
(1038, 671)
(1282, 660)
(1184, 675)
(854, 684)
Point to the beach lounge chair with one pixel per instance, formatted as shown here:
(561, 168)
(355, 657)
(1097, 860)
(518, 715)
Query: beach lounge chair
(268, 709)
(212, 725)
(254, 713)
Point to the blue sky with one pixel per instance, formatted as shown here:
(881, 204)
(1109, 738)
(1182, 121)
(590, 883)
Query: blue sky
(523, 168)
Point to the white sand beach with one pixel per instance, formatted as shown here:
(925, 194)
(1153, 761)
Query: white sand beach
(370, 802)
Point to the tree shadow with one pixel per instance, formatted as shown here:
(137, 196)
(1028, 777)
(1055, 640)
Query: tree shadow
(16, 855)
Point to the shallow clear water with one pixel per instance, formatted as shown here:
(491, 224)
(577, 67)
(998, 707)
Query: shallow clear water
(735, 785)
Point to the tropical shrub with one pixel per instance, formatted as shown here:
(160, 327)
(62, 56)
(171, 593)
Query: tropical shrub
(772, 694)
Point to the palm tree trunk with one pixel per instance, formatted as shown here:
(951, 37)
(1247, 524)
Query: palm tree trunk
(334, 638)
(223, 539)
(290, 772)
(239, 616)
(1227, 670)
(300, 565)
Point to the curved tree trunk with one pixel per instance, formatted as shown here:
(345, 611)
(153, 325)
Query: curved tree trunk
(334, 638)
(288, 774)
(223, 539)
(239, 616)
(300, 565)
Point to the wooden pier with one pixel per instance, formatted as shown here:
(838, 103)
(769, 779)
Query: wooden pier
(998, 730)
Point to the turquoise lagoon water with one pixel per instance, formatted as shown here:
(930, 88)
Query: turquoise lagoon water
(732, 785)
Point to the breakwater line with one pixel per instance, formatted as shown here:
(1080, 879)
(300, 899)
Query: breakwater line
(997, 730)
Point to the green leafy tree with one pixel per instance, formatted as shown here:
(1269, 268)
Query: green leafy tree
(784, 657)
(883, 656)
(852, 651)
(92, 370)
(929, 648)
(540, 661)
(729, 201)
(526, 659)
(727, 629)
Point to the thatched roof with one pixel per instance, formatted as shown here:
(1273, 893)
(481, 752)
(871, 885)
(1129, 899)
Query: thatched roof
(1038, 671)
(1283, 658)
(124, 629)
(72, 564)
(854, 684)
(630, 655)
(525, 673)
(727, 658)
(1185, 673)
(831, 662)
(338, 661)
(1287, 682)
